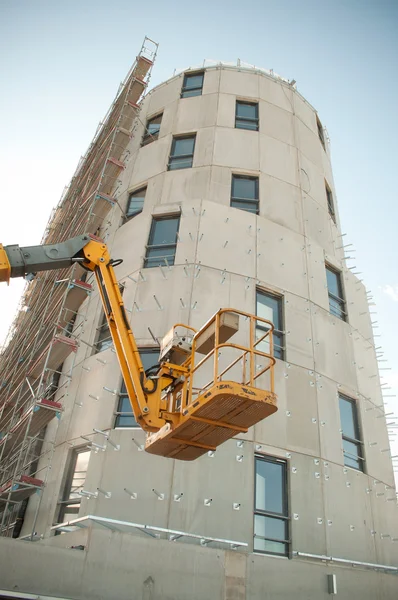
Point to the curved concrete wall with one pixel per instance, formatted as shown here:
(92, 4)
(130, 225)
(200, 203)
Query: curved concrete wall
(334, 510)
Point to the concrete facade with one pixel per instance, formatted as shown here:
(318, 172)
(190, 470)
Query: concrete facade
(334, 510)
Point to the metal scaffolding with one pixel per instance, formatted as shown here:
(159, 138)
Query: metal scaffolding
(47, 328)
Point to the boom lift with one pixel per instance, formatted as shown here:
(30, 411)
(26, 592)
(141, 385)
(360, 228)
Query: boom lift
(184, 415)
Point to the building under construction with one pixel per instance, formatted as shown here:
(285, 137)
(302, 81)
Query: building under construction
(215, 188)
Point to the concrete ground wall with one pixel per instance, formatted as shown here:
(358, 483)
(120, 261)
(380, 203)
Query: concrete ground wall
(222, 255)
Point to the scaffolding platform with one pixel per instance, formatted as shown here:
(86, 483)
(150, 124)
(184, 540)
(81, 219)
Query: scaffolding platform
(53, 355)
(77, 293)
(40, 414)
(20, 489)
(226, 409)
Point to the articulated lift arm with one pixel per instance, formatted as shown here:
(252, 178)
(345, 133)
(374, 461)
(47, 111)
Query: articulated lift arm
(93, 255)
(183, 414)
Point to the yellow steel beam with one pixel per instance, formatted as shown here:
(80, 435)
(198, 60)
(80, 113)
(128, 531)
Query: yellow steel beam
(5, 267)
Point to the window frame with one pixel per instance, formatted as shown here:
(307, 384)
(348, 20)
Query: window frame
(321, 133)
(330, 201)
(64, 502)
(357, 442)
(246, 200)
(120, 414)
(148, 137)
(255, 120)
(131, 194)
(270, 514)
(149, 246)
(176, 157)
(101, 327)
(185, 89)
(341, 301)
(280, 333)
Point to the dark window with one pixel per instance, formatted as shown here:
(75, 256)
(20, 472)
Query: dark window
(271, 521)
(75, 480)
(124, 413)
(104, 338)
(329, 197)
(162, 243)
(269, 307)
(335, 290)
(152, 129)
(352, 445)
(246, 116)
(135, 203)
(192, 86)
(320, 132)
(181, 156)
(244, 194)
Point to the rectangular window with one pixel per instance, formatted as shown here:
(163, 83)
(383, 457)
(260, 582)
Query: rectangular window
(329, 197)
(269, 306)
(135, 203)
(152, 129)
(162, 243)
(352, 445)
(246, 116)
(104, 338)
(181, 156)
(244, 193)
(192, 85)
(320, 132)
(124, 413)
(335, 291)
(75, 480)
(271, 521)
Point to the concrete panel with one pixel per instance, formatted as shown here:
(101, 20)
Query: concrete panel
(272, 432)
(367, 369)
(317, 276)
(196, 113)
(242, 84)
(348, 514)
(136, 229)
(278, 159)
(334, 356)
(237, 148)
(358, 307)
(329, 420)
(308, 528)
(151, 160)
(200, 480)
(385, 525)
(281, 202)
(104, 471)
(310, 144)
(204, 147)
(275, 92)
(165, 94)
(211, 81)
(304, 111)
(299, 345)
(220, 185)
(317, 223)
(168, 292)
(226, 110)
(281, 258)
(376, 443)
(302, 432)
(276, 123)
(312, 181)
(186, 184)
(169, 118)
(219, 248)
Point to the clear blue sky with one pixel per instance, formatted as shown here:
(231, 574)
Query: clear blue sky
(61, 64)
